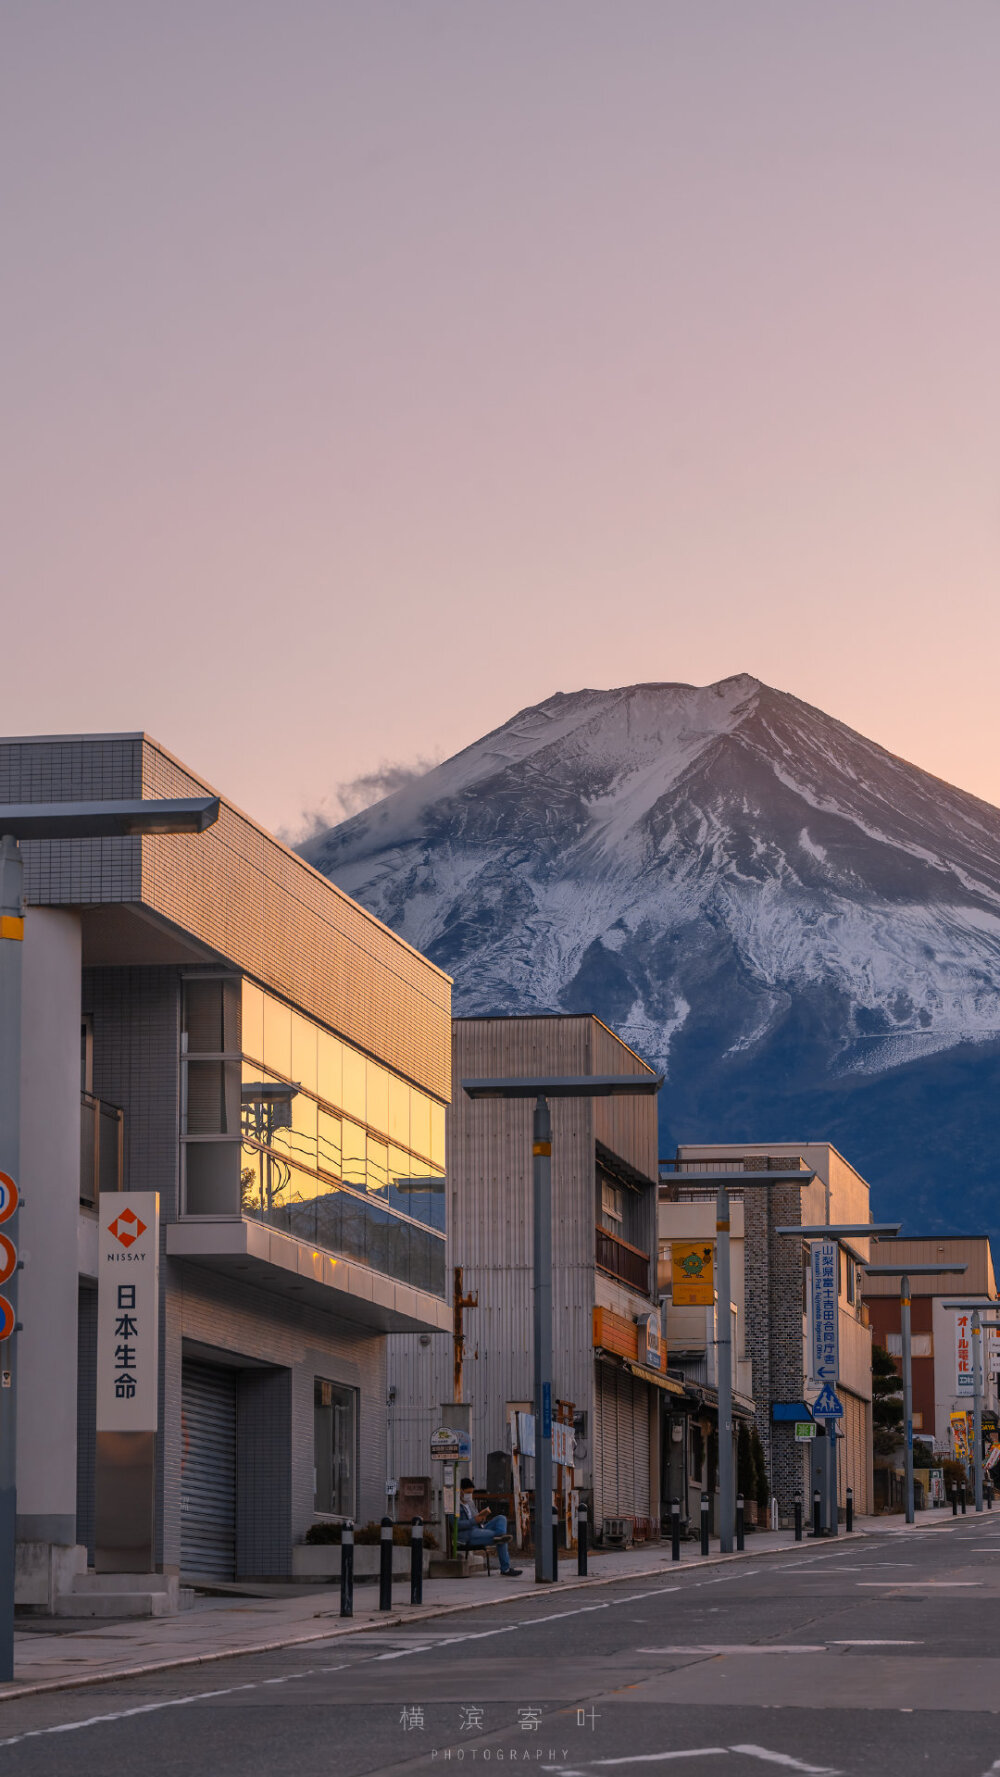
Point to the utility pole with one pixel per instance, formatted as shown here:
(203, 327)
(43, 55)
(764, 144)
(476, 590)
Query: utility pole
(724, 1375)
(11, 951)
(904, 1324)
(459, 1303)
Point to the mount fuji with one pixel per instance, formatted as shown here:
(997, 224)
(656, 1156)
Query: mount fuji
(800, 929)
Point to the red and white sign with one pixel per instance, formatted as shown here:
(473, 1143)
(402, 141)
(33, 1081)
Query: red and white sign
(9, 1197)
(128, 1311)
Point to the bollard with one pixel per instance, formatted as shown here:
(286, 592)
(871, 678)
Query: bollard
(798, 1517)
(963, 1499)
(739, 1522)
(954, 1501)
(555, 1543)
(704, 1523)
(347, 1571)
(582, 1527)
(385, 1566)
(817, 1503)
(989, 1496)
(417, 1561)
(849, 1526)
(675, 1530)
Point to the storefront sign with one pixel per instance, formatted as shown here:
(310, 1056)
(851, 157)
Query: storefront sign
(693, 1272)
(448, 1445)
(963, 1354)
(650, 1342)
(805, 1431)
(824, 1310)
(128, 1311)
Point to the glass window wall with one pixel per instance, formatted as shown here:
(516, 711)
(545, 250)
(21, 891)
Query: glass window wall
(338, 1165)
(336, 1440)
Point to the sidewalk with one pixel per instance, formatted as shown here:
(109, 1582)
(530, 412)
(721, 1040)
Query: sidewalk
(241, 1624)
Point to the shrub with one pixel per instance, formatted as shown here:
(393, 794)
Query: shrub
(366, 1534)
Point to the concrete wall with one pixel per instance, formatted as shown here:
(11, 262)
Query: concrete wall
(50, 1183)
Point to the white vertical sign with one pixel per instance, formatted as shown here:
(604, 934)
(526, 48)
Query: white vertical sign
(128, 1310)
(825, 1278)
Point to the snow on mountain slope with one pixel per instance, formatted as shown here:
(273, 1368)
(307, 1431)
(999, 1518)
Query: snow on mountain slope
(623, 848)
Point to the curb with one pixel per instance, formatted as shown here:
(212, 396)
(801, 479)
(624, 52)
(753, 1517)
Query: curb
(396, 1620)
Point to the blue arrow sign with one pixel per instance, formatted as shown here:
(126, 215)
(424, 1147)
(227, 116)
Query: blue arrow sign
(827, 1405)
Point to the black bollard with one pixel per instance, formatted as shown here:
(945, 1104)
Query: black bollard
(798, 1517)
(347, 1571)
(963, 1499)
(385, 1566)
(582, 1526)
(850, 1510)
(417, 1561)
(675, 1530)
(739, 1522)
(704, 1523)
(555, 1543)
(989, 1496)
(954, 1501)
(817, 1504)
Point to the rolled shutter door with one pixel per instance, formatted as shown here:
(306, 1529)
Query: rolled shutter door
(208, 1471)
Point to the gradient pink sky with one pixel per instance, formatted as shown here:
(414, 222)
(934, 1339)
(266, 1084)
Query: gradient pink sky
(373, 370)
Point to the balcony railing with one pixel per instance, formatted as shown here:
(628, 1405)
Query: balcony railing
(628, 1263)
(102, 1148)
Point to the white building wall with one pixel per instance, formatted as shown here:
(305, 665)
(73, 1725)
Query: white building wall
(50, 1184)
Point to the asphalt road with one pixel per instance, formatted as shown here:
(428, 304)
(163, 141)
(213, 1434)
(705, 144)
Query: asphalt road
(866, 1658)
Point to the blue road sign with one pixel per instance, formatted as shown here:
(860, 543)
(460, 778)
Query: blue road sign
(827, 1405)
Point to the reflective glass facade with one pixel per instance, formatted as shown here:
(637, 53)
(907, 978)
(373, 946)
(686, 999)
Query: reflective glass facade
(352, 1160)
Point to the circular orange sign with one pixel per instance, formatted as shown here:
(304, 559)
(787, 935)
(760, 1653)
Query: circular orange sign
(8, 1196)
(6, 1318)
(8, 1258)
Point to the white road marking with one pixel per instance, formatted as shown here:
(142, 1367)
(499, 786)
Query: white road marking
(91, 1721)
(782, 1758)
(854, 1641)
(918, 1585)
(726, 1647)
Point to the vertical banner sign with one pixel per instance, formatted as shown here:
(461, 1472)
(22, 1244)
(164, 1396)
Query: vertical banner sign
(963, 1354)
(650, 1341)
(960, 1435)
(823, 1259)
(692, 1273)
(128, 1311)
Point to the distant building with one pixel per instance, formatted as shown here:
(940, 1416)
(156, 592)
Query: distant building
(604, 1158)
(174, 988)
(942, 1376)
(691, 1422)
(777, 1287)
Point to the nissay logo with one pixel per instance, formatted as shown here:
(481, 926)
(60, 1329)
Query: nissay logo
(127, 1227)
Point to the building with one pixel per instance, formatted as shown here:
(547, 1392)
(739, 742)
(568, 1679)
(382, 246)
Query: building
(605, 1385)
(690, 1427)
(940, 1348)
(237, 1036)
(777, 1290)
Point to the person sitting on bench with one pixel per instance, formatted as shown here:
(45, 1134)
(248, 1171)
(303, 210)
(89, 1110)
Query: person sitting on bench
(480, 1530)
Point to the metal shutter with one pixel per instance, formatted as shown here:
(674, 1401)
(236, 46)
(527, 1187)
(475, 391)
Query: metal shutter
(640, 1448)
(208, 1471)
(626, 1433)
(605, 1451)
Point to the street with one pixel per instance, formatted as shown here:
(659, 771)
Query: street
(875, 1655)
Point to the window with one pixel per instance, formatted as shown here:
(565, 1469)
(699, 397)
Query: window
(210, 1094)
(611, 1202)
(335, 1434)
(850, 1280)
(894, 1344)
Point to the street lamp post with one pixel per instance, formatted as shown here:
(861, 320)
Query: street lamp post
(977, 1389)
(904, 1273)
(838, 1231)
(42, 820)
(541, 1090)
